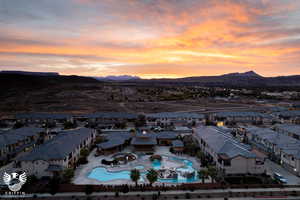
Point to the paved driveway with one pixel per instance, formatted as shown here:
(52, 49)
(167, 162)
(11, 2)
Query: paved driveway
(273, 167)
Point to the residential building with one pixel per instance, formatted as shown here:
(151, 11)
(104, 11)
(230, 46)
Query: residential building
(224, 118)
(183, 130)
(115, 142)
(144, 141)
(108, 120)
(15, 141)
(291, 130)
(175, 119)
(42, 118)
(165, 138)
(177, 146)
(57, 154)
(290, 116)
(280, 147)
(229, 155)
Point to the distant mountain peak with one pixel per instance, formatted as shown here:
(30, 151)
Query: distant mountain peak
(251, 73)
(245, 74)
(30, 73)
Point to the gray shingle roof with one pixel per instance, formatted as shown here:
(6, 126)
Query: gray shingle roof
(111, 115)
(124, 135)
(222, 143)
(289, 113)
(15, 135)
(177, 143)
(144, 139)
(176, 115)
(59, 147)
(232, 150)
(292, 128)
(242, 114)
(166, 135)
(115, 139)
(114, 142)
(272, 136)
(277, 109)
(42, 116)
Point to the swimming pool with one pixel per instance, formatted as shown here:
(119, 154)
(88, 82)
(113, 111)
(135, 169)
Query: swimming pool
(102, 174)
(156, 164)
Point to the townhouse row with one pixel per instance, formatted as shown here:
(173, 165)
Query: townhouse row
(229, 155)
(57, 154)
(15, 141)
(279, 147)
(110, 119)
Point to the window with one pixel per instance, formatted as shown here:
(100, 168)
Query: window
(227, 162)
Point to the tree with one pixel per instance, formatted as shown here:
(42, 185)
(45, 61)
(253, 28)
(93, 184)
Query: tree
(120, 125)
(152, 176)
(135, 176)
(68, 174)
(49, 125)
(54, 185)
(89, 189)
(84, 152)
(200, 155)
(141, 121)
(18, 125)
(69, 125)
(212, 171)
(203, 174)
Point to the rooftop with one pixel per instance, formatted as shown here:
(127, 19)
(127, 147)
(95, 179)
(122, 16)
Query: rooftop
(14, 135)
(57, 148)
(176, 115)
(242, 114)
(111, 115)
(292, 128)
(223, 144)
(177, 143)
(289, 113)
(42, 116)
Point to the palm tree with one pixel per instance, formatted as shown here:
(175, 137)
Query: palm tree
(135, 176)
(203, 174)
(201, 156)
(212, 171)
(152, 176)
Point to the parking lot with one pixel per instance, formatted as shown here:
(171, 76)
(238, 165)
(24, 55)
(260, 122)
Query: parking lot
(273, 167)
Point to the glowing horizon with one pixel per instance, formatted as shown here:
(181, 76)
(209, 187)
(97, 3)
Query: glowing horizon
(150, 39)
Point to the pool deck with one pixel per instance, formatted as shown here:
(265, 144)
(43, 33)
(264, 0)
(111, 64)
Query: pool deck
(82, 172)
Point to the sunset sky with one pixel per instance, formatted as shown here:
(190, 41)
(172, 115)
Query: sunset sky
(151, 38)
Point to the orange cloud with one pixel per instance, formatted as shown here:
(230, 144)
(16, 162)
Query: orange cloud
(161, 39)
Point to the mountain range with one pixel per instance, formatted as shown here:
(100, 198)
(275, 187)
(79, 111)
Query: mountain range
(246, 79)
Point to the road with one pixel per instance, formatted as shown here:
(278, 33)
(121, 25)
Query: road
(273, 167)
(168, 193)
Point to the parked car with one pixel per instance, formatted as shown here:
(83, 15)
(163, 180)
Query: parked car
(279, 177)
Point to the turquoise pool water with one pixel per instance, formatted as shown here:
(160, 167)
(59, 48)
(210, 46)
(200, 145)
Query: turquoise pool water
(156, 164)
(101, 173)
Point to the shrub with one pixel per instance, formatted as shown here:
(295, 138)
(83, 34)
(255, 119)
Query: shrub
(187, 195)
(89, 189)
(68, 174)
